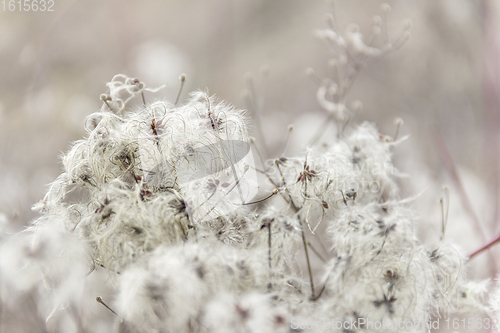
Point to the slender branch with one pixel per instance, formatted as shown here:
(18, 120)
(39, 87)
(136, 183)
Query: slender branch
(274, 192)
(452, 170)
(290, 129)
(320, 293)
(307, 257)
(182, 77)
(316, 252)
(269, 241)
(485, 246)
(99, 300)
(321, 130)
(296, 209)
(491, 88)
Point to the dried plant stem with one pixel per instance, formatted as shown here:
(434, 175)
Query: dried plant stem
(269, 242)
(321, 130)
(316, 252)
(485, 246)
(274, 192)
(182, 78)
(290, 128)
(253, 104)
(304, 242)
(307, 258)
(99, 300)
(491, 87)
(320, 293)
(452, 170)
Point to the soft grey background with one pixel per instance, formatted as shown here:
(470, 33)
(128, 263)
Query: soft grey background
(55, 65)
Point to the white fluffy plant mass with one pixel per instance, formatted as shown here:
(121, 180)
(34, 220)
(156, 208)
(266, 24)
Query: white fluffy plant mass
(157, 215)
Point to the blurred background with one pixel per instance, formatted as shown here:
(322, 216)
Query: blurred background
(443, 83)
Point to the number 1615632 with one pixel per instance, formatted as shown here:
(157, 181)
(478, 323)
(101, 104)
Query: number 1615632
(27, 5)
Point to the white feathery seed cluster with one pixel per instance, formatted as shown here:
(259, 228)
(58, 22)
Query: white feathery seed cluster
(146, 178)
(355, 169)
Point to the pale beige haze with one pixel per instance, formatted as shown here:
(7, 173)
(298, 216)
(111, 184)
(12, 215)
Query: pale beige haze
(367, 200)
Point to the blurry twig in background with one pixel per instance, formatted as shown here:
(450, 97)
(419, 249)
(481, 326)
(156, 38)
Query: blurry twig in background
(485, 246)
(491, 86)
(255, 103)
(353, 52)
(450, 166)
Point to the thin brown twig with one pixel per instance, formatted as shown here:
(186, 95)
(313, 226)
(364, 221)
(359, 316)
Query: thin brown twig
(453, 171)
(307, 258)
(316, 252)
(486, 246)
(491, 88)
(450, 166)
(304, 242)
